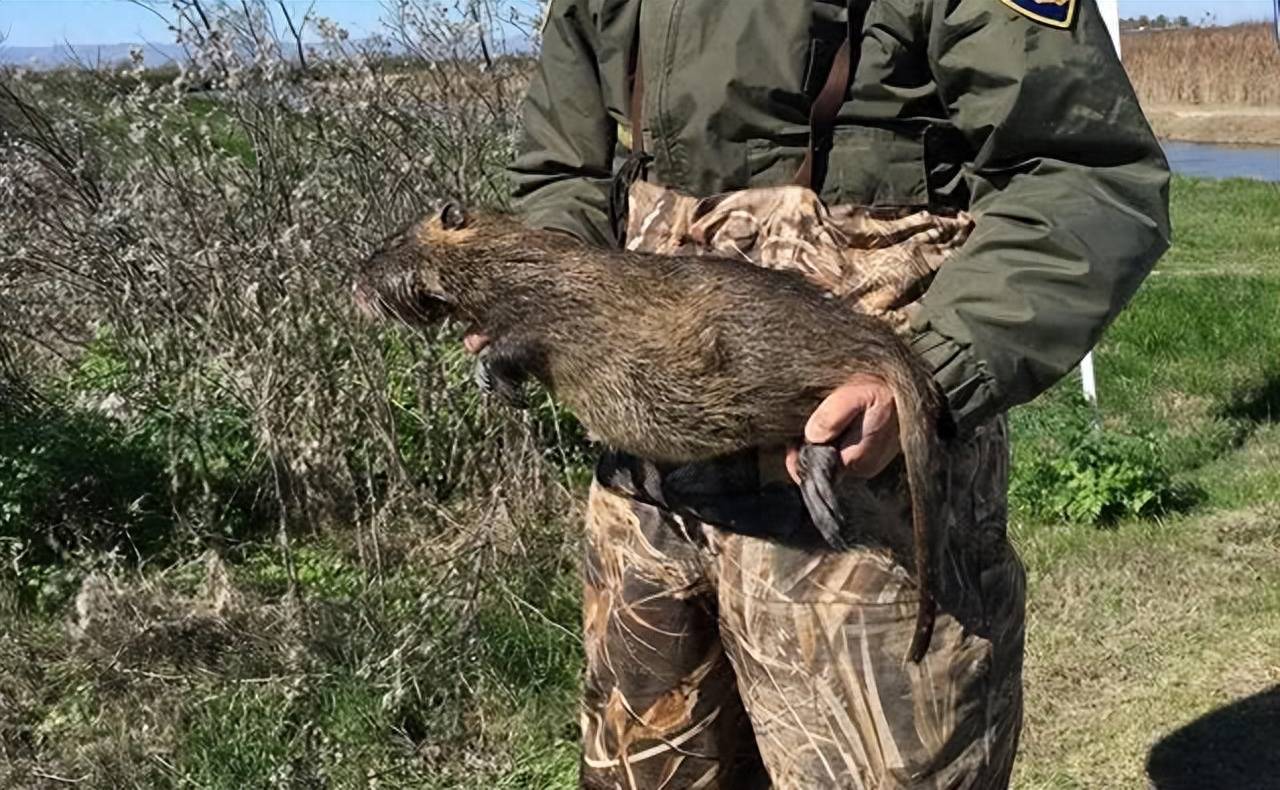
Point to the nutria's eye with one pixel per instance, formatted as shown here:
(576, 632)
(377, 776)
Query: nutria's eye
(452, 216)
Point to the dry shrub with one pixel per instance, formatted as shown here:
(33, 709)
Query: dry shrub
(177, 250)
(1211, 65)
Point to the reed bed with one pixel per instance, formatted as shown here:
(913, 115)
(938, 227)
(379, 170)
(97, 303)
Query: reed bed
(1236, 65)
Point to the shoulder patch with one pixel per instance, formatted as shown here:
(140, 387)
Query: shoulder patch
(1054, 13)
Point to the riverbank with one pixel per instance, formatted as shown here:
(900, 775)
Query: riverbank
(1208, 84)
(1222, 124)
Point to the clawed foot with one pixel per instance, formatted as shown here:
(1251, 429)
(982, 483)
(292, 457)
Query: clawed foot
(818, 465)
(482, 376)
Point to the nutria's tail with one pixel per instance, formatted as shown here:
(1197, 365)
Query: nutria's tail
(918, 420)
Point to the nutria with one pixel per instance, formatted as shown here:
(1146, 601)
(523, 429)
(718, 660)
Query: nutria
(671, 359)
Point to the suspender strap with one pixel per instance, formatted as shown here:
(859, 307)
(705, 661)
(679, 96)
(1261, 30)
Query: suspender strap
(636, 165)
(635, 78)
(823, 111)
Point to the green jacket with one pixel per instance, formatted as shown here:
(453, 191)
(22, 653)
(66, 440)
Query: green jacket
(956, 103)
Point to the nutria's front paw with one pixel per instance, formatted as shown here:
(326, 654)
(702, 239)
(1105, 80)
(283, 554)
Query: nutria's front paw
(492, 381)
(482, 375)
(511, 392)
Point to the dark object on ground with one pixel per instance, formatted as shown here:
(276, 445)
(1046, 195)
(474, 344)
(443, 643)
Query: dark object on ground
(1231, 748)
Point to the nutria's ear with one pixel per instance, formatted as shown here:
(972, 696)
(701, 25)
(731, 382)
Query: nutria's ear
(452, 216)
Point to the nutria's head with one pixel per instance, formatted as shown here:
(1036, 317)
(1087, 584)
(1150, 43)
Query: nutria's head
(408, 277)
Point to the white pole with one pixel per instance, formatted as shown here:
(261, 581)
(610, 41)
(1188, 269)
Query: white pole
(1110, 10)
(1087, 380)
(1111, 16)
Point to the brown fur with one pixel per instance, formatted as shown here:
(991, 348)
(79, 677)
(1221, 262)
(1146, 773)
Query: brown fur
(667, 358)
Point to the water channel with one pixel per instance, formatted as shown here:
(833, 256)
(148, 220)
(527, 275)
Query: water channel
(1224, 161)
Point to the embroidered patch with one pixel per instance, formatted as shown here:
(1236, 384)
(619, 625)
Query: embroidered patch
(1054, 13)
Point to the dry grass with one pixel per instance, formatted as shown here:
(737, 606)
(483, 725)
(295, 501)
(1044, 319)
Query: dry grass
(1235, 65)
(190, 375)
(1226, 124)
(1127, 657)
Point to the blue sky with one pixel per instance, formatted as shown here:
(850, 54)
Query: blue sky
(47, 22)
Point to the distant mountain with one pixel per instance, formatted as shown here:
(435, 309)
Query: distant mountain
(62, 54)
(155, 55)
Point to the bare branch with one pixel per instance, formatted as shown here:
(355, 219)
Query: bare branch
(296, 31)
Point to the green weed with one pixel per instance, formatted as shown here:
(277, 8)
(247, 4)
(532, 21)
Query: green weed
(74, 486)
(1078, 472)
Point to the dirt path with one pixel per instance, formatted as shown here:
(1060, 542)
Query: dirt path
(1216, 124)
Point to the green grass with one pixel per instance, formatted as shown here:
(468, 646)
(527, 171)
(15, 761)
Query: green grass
(1227, 226)
(1136, 632)
(426, 668)
(1196, 356)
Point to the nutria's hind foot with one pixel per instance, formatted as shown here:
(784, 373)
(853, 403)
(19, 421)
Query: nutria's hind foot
(818, 465)
(926, 615)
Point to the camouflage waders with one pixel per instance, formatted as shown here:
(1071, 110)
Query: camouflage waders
(725, 647)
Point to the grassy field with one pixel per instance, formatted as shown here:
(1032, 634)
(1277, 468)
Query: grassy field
(1136, 632)
(249, 541)
(1148, 640)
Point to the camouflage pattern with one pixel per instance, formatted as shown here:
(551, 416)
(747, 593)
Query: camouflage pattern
(725, 647)
(880, 260)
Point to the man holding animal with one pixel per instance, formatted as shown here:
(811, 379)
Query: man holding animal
(988, 185)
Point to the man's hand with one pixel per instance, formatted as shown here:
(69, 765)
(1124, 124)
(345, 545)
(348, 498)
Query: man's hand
(861, 419)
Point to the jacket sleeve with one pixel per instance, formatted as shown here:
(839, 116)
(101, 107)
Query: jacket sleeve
(1069, 189)
(562, 167)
